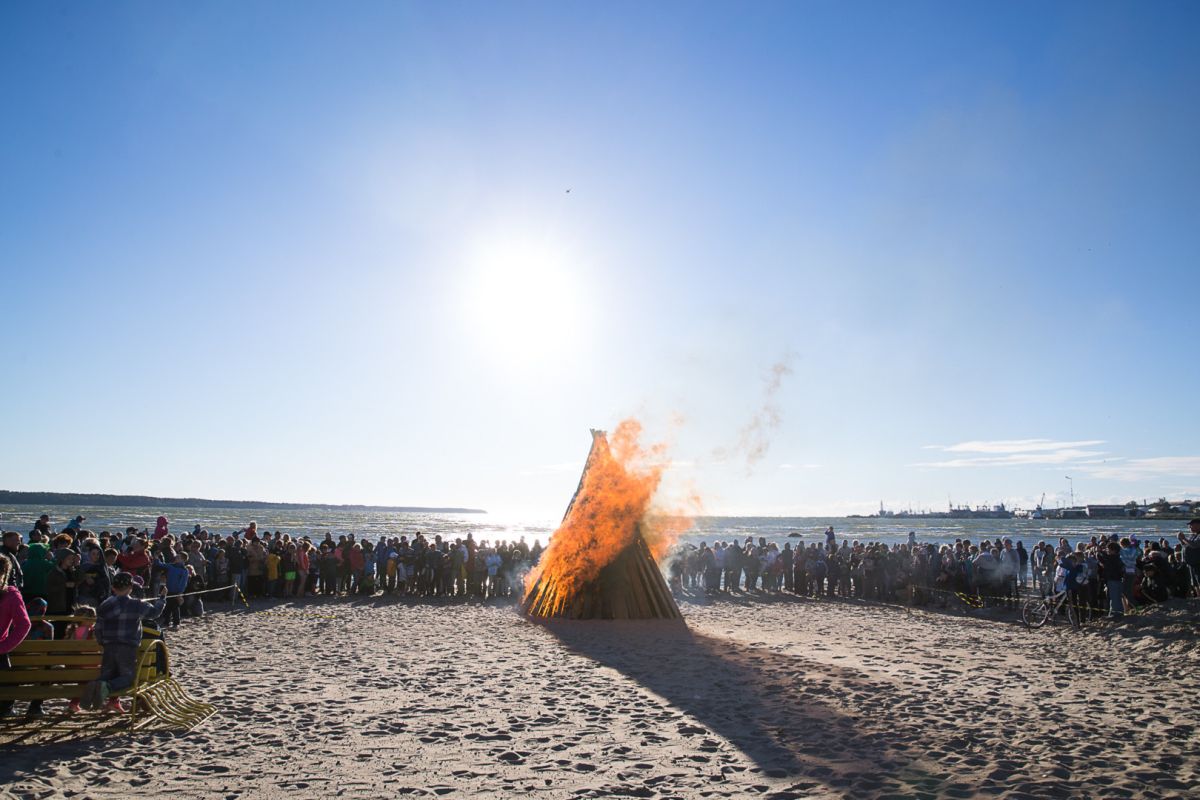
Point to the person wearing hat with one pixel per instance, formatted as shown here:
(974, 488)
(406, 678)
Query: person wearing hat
(119, 631)
(75, 524)
(1191, 552)
(41, 529)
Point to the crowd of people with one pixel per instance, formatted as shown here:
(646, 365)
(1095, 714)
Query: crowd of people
(76, 566)
(104, 576)
(1105, 574)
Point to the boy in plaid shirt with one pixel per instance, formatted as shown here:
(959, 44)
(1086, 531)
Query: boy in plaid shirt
(119, 631)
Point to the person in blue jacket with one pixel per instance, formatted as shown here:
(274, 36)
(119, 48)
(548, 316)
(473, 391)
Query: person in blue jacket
(177, 583)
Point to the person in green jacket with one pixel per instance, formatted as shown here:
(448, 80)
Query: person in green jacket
(37, 567)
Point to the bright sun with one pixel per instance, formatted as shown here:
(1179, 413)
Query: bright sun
(523, 299)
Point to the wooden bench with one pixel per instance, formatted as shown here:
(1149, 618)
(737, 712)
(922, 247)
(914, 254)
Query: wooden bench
(60, 669)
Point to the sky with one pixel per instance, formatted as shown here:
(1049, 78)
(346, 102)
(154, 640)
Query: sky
(831, 254)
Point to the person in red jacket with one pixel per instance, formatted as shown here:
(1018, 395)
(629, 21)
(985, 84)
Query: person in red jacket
(136, 561)
(14, 625)
(357, 563)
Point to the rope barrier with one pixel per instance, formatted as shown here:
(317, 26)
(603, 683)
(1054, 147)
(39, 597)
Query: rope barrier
(208, 591)
(978, 600)
(284, 613)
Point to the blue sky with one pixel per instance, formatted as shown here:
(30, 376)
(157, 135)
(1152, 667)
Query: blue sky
(318, 252)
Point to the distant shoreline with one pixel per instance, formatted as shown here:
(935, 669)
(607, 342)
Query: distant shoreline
(144, 501)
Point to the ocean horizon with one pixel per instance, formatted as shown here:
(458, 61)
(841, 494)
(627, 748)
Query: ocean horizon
(316, 521)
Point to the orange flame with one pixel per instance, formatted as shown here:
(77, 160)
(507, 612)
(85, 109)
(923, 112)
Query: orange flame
(609, 508)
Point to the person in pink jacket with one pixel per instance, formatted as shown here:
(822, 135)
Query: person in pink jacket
(14, 625)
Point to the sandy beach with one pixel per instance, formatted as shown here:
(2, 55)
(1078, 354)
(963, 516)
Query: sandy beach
(771, 697)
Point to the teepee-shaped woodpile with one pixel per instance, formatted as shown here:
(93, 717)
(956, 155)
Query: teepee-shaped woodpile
(598, 565)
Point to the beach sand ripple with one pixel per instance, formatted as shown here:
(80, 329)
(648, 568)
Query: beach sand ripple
(772, 698)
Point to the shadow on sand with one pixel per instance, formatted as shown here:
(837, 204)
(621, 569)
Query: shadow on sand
(775, 708)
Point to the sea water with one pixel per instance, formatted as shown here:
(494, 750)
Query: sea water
(316, 522)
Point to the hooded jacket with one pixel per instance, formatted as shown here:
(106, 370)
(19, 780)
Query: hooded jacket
(36, 568)
(60, 584)
(95, 582)
(177, 577)
(14, 619)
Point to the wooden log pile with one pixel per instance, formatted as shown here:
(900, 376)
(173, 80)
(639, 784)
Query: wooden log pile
(630, 587)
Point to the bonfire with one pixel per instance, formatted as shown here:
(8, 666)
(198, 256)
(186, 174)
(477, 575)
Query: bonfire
(601, 563)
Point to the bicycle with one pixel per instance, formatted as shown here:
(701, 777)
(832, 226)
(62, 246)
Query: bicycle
(1037, 611)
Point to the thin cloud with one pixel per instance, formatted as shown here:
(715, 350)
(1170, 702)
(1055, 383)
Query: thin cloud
(1015, 446)
(1060, 457)
(799, 466)
(1075, 455)
(1136, 469)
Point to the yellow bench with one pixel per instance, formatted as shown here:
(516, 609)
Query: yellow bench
(60, 669)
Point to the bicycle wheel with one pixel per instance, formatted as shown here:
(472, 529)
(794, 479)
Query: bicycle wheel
(1036, 612)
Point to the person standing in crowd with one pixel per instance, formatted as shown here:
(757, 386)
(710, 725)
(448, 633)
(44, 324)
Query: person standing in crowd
(1191, 553)
(41, 529)
(177, 584)
(786, 560)
(272, 569)
(237, 562)
(94, 578)
(61, 582)
(1112, 569)
(328, 567)
(256, 567)
(302, 567)
(14, 624)
(10, 550)
(36, 568)
(136, 561)
(1023, 569)
(221, 575)
(1010, 569)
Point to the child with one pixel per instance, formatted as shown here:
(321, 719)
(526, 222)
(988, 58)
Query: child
(84, 625)
(39, 630)
(391, 571)
(273, 573)
(119, 631)
(177, 584)
(287, 571)
(194, 604)
(80, 631)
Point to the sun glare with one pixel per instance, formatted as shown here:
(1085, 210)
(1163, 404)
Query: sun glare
(523, 301)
